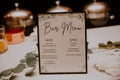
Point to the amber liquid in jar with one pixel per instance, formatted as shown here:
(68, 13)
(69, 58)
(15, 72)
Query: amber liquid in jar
(3, 46)
(15, 35)
(3, 41)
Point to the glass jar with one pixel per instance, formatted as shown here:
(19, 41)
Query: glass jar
(3, 41)
(19, 17)
(15, 35)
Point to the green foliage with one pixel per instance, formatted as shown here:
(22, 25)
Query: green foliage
(30, 72)
(110, 45)
(29, 61)
(6, 72)
(20, 67)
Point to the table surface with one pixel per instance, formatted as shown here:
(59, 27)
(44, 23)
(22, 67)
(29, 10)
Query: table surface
(16, 52)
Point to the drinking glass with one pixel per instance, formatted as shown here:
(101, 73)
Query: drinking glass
(3, 41)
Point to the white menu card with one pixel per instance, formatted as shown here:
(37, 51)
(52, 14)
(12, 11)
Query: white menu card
(62, 43)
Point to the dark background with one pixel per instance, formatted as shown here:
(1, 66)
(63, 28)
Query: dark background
(37, 6)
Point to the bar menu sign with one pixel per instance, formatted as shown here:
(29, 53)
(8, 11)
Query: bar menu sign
(62, 43)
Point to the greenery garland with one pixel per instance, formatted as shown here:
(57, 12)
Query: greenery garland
(29, 61)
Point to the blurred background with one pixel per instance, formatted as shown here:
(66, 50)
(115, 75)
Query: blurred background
(39, 6)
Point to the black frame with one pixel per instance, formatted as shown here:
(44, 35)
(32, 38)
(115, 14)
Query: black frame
(39, 47)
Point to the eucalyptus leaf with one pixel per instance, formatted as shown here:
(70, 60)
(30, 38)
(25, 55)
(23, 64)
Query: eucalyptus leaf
(30, 72)
(117, 43)
(6, 72)
(110, 44)
(13, 77)
(102, 45)
(23, 60)
(35, 54)
(30, 54)
(31, 61)
(20, 67)
(89, 51)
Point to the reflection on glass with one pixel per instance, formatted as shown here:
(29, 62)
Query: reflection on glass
(59, 8)
(98, 13)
